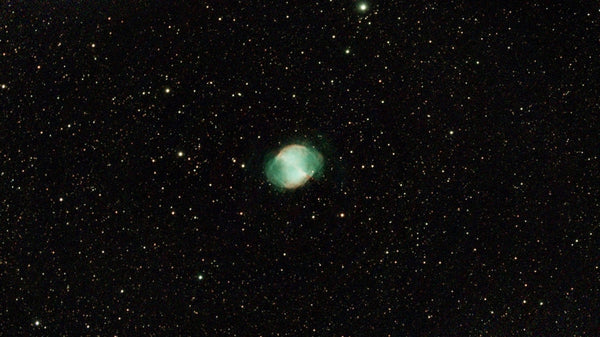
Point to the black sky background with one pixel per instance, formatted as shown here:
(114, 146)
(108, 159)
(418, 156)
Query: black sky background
(460, 193)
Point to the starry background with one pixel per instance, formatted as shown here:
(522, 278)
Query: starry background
(460, 195)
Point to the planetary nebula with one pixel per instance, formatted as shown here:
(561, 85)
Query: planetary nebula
(293, 166)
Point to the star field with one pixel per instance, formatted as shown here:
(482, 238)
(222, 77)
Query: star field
(459, 195)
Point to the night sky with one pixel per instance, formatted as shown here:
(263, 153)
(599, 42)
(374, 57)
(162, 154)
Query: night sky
(460, 192)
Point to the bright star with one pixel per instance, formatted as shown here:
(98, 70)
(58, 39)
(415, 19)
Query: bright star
(363, 7)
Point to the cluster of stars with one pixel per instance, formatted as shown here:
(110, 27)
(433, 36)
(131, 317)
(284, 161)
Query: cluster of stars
(439, 139)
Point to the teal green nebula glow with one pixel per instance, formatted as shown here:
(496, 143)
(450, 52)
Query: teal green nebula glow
(293, 166)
